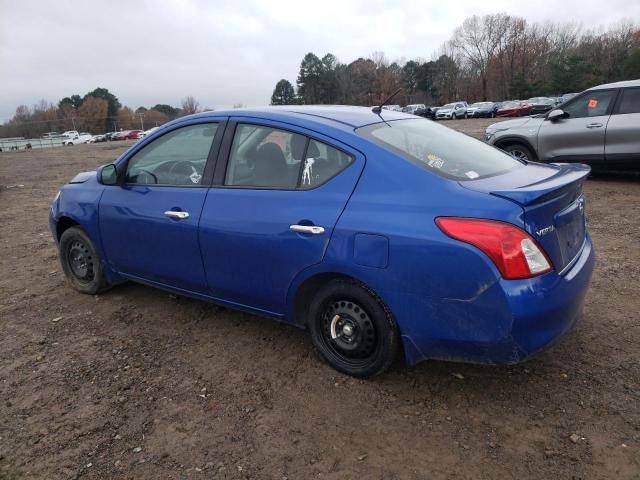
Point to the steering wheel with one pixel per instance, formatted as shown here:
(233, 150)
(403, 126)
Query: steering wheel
(148, 174)
(187, 168)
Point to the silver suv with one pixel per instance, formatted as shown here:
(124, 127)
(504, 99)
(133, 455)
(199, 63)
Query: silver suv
(600, 126)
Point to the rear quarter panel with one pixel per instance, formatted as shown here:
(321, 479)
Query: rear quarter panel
(436, 287)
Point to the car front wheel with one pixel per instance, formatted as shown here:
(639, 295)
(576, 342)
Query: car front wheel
(352, 329)
(520, 152)
(80, 262)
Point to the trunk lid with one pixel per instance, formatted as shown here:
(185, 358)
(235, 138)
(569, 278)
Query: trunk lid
(553, 203)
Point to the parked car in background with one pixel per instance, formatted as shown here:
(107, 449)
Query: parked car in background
(97, 139)
(434, 111)
(482, 110)
(567, 96)
(148, 132)
(119, 135)
(600, 126)
(395, 108)
(82, 137)
(540, 105)
(450, 111)
(132, 135)
(556, 101)
(50, 135)
(413, 108)
(454, 267)
(513, 109)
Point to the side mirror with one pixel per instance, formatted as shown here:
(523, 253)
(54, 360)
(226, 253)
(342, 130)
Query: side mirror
(108, 175)
(556, 114)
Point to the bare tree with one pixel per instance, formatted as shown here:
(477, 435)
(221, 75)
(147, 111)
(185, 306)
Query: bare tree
(190, 106)
(478, 40)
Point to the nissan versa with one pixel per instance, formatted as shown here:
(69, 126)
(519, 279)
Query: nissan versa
(376, 230)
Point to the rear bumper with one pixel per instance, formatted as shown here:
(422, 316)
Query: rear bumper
(535, 313)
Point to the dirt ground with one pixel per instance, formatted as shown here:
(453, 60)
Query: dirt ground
(137, 383)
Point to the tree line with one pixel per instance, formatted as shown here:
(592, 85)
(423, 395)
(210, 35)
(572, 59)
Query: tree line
(492, 57)
(98, 111)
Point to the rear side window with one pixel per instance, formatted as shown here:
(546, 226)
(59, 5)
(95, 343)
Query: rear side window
(322, 162)
(591, 104)
(440, 149)
(629, 101)
(267, 157)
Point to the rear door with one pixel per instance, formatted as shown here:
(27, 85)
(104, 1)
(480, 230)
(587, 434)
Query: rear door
(580, 137)
(272, 209)
(622, 145)
(149, 223)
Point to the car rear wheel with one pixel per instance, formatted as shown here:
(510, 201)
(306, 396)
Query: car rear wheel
(80, 262)
(352, 329)
(520, 152)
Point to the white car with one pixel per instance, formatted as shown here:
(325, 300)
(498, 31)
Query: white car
(413, 107)
(452, 111)
(75, 138)
(148, 132)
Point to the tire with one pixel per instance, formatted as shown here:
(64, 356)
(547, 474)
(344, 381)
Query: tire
(520, 152)
(367, 338)
(80, 262)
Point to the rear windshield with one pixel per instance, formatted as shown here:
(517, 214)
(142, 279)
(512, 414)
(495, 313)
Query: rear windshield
(440, 149)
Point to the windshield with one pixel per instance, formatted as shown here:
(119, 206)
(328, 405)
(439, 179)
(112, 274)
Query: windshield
(440, 149)
(448, 105)
(510, 104)
(481, 104)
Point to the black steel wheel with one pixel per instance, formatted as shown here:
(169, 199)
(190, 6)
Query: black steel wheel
(80, 261)
(352, 329)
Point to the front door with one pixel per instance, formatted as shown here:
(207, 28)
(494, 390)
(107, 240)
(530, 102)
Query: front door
(149, 223)
(273, 212)
(580, 136)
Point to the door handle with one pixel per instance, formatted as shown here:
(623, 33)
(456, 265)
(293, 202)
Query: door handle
(594, 125)
(312, 229)
(176, 215)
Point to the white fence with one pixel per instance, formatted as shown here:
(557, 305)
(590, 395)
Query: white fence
(9, 144)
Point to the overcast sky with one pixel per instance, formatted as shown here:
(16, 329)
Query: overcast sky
(226, 52)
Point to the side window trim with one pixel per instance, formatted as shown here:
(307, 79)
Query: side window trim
(222, 161)
(207, 173)
(302, 162)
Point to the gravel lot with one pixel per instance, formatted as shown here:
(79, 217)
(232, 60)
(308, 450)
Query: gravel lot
(136, 383)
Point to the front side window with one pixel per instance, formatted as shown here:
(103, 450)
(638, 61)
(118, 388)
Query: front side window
(440, 150)
(630, 101)
(591, 104)
(177, 158)
(267, 157)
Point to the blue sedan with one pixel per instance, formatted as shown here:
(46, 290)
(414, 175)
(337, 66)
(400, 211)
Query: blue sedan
(377, 231)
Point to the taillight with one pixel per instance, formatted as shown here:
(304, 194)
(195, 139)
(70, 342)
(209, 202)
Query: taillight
(514, 252)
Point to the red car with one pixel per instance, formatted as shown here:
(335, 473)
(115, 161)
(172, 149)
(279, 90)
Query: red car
(131, 135)
(514, 109)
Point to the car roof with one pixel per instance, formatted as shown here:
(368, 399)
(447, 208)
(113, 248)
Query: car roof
(624, 84)
(340, 116)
